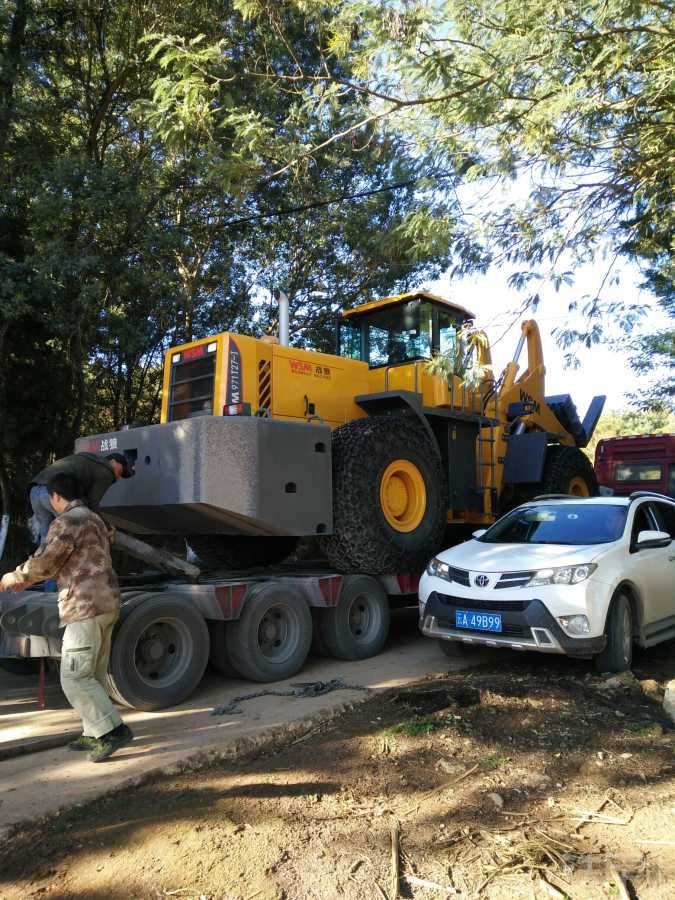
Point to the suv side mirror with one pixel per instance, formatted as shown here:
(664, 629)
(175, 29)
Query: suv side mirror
(651, 539)
(479, 533)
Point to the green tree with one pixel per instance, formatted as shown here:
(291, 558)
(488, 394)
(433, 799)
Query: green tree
(624, 422)
(573, 100)
(133, 220)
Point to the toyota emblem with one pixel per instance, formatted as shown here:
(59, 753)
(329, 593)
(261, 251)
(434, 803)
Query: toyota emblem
(481, 581)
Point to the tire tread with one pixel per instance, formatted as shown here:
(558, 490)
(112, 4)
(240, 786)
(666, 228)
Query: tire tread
(362, 541)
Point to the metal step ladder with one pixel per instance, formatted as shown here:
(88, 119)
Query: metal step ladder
(486, 460)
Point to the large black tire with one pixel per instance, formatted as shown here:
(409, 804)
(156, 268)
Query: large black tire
(272, 637)
(619, 630)
(222, 551)
(568, 470)
(159, 653)
(363, 540)
(220, 655)
(358, 626)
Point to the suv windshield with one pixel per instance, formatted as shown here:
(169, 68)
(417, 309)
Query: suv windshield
(563, 523)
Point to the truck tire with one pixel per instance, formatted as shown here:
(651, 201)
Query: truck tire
(568, 470)
(358, 626)
(159, 653)
(389, 497)
(223, 551)
(220, 655)
(618, 653)
(272, 637)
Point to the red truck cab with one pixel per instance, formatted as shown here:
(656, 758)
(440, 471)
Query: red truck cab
(643, 462)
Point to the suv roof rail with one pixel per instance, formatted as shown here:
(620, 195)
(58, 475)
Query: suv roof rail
(559, 497)
(636, 495)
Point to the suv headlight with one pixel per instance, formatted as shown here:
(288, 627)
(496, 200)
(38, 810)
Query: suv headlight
(563, 575)
(575, 625)
(438, 568)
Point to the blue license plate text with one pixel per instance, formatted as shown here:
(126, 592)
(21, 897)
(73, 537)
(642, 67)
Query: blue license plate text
(466, 618)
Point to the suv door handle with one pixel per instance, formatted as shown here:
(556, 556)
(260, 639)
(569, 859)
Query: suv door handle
(671, 558)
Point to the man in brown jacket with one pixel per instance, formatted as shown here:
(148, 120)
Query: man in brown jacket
(77, 554)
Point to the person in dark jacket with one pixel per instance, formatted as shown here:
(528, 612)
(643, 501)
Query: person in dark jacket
(95, 473)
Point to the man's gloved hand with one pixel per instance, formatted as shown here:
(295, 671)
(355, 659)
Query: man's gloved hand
(10, 581)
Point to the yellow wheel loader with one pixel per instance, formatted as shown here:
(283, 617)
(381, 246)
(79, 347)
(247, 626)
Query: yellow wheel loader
(371, 449)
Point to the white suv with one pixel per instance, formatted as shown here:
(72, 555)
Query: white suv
(588, 577)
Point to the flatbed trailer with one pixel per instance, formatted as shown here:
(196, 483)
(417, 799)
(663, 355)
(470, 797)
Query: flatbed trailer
(259, 625)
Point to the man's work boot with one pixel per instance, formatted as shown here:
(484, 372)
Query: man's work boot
(82, 743)
(111, 742)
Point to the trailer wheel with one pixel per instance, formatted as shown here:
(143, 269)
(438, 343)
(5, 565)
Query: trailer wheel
(389, 496)
(272, 637)
(159, 653)
(224, 551)
(568, 471)
(220, 655)
(358, 626)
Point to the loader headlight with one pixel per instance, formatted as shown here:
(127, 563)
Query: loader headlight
(574, 625)
(439, 569)
(563, 575)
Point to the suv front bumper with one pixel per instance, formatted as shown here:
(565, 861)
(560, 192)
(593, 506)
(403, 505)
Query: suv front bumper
(528, 625)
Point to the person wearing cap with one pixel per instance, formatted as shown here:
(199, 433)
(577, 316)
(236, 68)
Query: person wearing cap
(95, 473)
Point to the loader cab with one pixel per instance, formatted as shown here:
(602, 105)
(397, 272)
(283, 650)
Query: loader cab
(400, 329)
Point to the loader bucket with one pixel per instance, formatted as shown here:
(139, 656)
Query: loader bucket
(565, 411)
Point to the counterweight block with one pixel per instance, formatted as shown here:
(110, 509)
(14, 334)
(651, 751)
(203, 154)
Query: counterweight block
(222, 475)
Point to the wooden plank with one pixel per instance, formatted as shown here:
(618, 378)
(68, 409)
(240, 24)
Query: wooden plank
(155, 557)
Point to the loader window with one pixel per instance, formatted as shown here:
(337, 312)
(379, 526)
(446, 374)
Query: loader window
(192, 385)
(350, 340)
(399, 333)
(448, 340)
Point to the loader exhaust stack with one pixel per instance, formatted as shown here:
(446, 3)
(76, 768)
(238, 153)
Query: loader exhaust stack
(284, 326)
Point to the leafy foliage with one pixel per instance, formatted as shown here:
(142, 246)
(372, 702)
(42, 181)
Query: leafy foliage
(623, 422)
(463, 358)
(573, 101)
(145, 201)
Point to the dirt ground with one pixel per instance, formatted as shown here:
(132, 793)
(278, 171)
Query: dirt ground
(526, 777)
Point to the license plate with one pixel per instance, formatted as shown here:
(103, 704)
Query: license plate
(466, 618)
